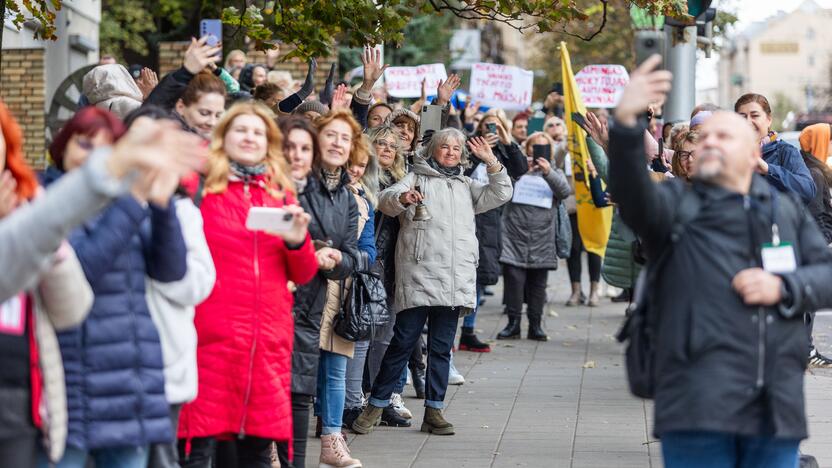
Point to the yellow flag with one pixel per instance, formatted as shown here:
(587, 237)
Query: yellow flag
(593, 223)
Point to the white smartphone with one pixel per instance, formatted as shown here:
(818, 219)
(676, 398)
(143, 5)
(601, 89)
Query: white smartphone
(430, 119)
(263, 218)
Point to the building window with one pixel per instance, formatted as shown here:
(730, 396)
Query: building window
(810, 34)
(811, 60)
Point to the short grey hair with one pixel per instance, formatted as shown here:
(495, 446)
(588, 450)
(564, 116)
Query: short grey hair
(444, 136)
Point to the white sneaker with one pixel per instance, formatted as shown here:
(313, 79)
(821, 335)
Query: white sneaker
(454, 377)
(398, 405)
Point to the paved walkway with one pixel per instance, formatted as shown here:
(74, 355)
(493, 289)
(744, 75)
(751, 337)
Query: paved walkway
(563, 403)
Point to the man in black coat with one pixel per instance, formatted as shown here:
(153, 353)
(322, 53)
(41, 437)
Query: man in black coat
(738, 277)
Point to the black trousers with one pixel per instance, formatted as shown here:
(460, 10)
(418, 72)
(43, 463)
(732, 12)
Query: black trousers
(248, 452)
(300, 432)
(166, 455)
(19, 451)
(574, 261)
(525, 285)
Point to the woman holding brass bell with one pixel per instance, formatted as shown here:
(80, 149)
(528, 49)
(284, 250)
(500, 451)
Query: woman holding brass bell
(436, 264)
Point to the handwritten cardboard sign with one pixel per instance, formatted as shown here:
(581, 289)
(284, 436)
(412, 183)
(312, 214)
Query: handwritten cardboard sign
(602, 85)
(503, 86)
(406, 82)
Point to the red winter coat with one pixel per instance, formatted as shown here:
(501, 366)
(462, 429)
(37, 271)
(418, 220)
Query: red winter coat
(245, 328)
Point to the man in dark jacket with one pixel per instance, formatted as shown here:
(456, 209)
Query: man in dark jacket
(730, 341)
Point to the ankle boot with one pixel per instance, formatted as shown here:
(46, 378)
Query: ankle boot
(594, 299)
(417, 373)
(335, 453)
(577, 296)
(468, 341)
(536, 332)
(435, 423)
(512, 329)
(369, 419)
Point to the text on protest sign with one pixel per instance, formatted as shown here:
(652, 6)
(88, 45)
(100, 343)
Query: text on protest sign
(406, 82)
(503, 86)
(602, 85)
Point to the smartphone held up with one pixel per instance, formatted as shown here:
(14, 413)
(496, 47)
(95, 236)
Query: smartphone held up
(263, 218)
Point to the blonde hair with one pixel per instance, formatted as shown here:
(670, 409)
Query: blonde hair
(501, 117)
(399, 169)
(358, 149)
(219, 165)
(527, 146)
(231, 55)
(370, 178)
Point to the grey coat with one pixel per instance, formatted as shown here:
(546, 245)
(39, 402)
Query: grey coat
(436, 260)
(529, 231)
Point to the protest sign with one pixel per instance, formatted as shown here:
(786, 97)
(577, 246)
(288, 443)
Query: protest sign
(502, 86)
(532, 190)
(406, 82)
(602, 85)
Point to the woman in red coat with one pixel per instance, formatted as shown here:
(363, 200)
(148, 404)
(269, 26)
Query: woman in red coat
(245, 327)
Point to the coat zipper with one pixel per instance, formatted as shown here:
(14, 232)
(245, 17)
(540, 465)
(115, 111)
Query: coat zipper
(453, 243)
(242, 432)
(761, 313)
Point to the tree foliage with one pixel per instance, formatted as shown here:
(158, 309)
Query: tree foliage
(43, 12)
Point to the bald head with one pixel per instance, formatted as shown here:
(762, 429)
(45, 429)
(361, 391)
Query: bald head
(727, 153)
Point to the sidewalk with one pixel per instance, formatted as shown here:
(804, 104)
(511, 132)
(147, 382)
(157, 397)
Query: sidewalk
(563, 403)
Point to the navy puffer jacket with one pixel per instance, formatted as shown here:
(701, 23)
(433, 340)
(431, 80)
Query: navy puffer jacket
(113, 361)
(787, 171)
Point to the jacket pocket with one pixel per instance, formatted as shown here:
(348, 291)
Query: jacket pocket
(419, 245)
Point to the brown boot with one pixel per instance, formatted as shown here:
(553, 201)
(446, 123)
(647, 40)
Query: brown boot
(368, 419)
(594, 297)
(577, 296)
(434, 423)
(335, 454)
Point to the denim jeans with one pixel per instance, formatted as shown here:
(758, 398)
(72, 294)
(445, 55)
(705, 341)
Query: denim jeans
(442, 322)
(329, 404)
(355, 375)
(470, 320)
(117, 457)
(704, 449)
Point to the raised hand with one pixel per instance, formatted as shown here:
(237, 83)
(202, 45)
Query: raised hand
(373, 66)
(481, 149)
(544, 165)
(471, 109)
(200, 55)
(446, 89)
(147, 81)
(416, 107)
(598, 130)
(156, 146)
(648, 85)
(339, 98)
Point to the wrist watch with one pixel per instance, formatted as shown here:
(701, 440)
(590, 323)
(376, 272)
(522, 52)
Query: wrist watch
(492, 163)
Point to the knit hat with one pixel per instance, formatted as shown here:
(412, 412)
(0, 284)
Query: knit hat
(407, 114)
(310, 106)
(814, 140)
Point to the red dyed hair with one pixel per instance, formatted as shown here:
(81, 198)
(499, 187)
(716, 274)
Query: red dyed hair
(27, 183)
(87, 121)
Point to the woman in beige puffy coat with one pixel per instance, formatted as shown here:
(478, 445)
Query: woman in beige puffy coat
(436, 264)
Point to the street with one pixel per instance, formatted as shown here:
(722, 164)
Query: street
(563, 403)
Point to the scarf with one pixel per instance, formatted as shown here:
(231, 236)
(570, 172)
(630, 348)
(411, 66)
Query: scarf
(247, 172)
(814, 140)
(331, 179)
(770, 138)
(445, 171)
(300, 185)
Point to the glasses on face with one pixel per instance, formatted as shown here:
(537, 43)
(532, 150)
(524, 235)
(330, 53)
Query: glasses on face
(685, 155)
(384, 144)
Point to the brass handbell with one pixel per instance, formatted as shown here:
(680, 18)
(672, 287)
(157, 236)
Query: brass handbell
(422, 213)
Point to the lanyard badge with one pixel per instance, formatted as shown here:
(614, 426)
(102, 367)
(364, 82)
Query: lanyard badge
(778, 257)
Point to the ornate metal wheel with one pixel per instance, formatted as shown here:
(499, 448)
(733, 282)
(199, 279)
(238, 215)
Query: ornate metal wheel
(65, 101)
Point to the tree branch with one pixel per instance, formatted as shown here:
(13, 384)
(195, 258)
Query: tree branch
(600, 28)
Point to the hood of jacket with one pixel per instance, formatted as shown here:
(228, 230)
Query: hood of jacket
(112, 87)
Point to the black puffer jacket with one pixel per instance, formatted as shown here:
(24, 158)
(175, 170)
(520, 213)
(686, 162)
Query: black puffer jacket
(489, 223)
(334, 218)
(387, 232)
(721, 365)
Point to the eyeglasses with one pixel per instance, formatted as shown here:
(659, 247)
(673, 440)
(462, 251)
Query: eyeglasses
(384, 144)
(684, 155)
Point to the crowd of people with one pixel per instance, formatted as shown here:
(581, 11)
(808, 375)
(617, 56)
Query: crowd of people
(145, 323)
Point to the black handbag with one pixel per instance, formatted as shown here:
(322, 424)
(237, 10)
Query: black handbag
(363, 309)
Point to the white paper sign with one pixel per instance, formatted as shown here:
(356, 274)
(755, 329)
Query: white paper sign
(532, 190)
(602, 85)
(406, 82)
(503, 86)
(480, 174)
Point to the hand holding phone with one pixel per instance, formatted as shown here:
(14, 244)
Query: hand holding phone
(212, 29)
(263, 218)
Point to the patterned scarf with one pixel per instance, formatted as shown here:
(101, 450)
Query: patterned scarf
(770, 138)
(445, 171)
(331, 179)
(247, 172)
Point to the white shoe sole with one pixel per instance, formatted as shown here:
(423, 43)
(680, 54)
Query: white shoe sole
(326, 465)
(457, 380)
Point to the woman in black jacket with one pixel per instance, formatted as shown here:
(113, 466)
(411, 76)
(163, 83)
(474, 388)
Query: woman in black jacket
(333, 227)
(496, 132)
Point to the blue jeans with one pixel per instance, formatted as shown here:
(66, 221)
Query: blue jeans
(470, 320)
(442, 322)
(332, 378)
(704, 449)
(118, 457)
(355, 375)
